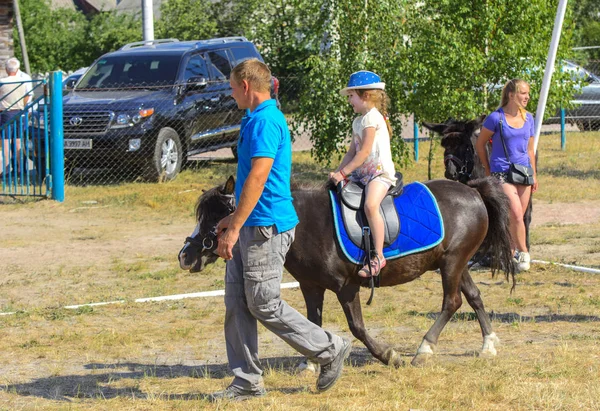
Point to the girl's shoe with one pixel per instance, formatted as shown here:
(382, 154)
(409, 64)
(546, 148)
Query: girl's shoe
(376, 266)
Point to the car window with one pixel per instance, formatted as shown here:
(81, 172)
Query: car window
(130, 71)
(243, 53)
(196, 67)
(220, 66)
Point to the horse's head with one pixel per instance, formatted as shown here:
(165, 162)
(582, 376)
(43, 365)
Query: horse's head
(213, 205)
(459, 152)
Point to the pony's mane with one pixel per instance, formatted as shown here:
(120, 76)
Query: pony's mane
(207, 195)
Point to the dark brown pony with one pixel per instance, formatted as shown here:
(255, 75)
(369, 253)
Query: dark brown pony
(473, 215)
(461, 162)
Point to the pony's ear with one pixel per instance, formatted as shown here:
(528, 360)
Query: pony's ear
(478, 121)
(436, 127)
(229, 187)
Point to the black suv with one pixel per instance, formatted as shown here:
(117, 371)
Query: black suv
(152, 104)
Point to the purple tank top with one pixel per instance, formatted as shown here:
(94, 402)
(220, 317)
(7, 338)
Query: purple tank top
(516, 140)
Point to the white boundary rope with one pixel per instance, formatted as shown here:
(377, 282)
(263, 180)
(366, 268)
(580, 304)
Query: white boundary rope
(295, 284)
(572, 267)
(215, 293)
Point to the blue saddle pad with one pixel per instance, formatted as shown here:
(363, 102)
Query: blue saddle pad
(421, 225)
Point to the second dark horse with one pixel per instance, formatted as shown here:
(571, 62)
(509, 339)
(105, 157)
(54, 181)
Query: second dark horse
(473, 215)
(461, 162)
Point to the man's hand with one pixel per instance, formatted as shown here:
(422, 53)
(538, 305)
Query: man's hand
(226, 238)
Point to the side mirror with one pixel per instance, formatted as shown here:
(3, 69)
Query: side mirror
(70, 84)
(195, 83)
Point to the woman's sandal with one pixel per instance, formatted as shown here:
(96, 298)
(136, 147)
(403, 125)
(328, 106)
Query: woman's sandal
(376, 266)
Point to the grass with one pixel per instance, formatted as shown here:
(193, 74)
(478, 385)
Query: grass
(167, 355)
(160, 356)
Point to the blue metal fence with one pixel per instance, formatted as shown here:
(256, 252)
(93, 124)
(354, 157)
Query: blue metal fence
(28, 159)
(24, 139)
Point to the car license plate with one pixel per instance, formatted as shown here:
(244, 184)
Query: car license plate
(78, 143)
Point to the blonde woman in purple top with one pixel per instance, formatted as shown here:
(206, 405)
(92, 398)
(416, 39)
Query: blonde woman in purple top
(518, 131)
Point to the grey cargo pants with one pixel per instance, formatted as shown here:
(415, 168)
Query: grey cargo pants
(252, 292)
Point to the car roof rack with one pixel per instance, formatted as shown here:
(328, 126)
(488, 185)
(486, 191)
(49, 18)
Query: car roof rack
(147, 43)
(220, 40)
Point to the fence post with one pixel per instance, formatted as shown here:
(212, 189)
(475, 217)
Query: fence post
(563, 134)
(416, 137)
(57, 152)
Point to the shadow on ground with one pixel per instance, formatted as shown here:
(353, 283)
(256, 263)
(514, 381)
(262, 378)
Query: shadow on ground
(510, 318)
(102, 385)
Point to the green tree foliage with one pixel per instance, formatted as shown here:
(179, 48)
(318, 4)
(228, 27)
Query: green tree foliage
(286, 32)
(587, 23)
(64, 39)
(186, 20)
(108, 31)
(463, 51)
(440, 59)
(352, 37)
(234, 17)
(56, 39)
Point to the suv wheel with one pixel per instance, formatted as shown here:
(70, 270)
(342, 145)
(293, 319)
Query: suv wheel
(168, 154)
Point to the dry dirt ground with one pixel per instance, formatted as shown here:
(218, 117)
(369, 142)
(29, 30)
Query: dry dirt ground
(52, 237)
(51, 256)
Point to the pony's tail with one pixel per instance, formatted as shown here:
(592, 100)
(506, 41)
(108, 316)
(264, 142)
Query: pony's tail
(498, 238)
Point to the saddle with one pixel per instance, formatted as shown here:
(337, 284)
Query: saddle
(352, 210)
(412, 222)
(417, 225)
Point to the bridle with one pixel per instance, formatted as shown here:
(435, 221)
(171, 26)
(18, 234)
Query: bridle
(465, 168)
(209, 242)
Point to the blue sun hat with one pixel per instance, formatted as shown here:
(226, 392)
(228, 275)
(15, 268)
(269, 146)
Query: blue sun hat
(363, 80)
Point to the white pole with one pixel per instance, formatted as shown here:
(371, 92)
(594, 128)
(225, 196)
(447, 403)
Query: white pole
(148, 20)
(21, 36)
(539, 115)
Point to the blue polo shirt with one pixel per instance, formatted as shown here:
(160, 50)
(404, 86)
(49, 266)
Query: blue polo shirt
(264, 133)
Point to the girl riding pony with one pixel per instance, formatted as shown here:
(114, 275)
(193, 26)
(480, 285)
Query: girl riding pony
(369, 157)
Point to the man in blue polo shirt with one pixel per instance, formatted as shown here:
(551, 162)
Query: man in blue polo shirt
(255, 239)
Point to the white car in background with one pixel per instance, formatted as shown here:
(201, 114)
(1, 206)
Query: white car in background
(585, 110)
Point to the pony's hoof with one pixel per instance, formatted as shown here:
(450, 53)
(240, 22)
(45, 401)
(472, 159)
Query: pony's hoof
(307, 366)
(395, 360)
(489, 342)
(421, 359)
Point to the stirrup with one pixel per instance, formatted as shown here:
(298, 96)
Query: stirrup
(376, 266)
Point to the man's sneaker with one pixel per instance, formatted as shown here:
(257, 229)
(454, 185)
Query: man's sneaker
(523, 262)
(233, 393)
(332, 371)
